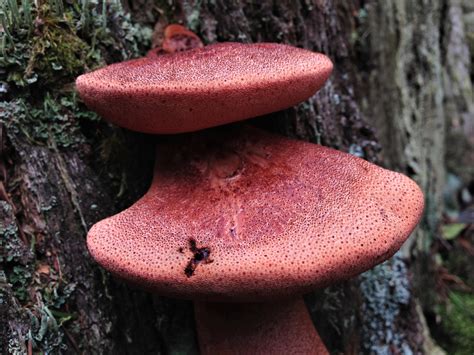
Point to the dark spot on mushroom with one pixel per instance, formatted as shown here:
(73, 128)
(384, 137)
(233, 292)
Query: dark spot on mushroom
(200, 255)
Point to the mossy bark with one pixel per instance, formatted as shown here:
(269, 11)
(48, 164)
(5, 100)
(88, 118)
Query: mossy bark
(388, 82)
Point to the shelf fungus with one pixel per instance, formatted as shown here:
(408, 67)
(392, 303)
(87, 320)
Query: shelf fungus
(204, 87)
(239, 220)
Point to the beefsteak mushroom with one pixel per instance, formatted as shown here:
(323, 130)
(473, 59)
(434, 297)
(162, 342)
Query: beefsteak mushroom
(241, 221)
(203, 87)
(235, 214)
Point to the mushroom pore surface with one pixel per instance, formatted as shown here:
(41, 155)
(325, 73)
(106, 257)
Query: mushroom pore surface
(203, 87)
(238, 214)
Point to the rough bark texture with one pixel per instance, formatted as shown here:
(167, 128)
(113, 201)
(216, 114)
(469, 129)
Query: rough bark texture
(405, 94)
(394, 60)
(419, 98)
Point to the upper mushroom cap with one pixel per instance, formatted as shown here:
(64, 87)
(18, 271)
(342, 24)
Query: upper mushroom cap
(203, 87)
(244, 215)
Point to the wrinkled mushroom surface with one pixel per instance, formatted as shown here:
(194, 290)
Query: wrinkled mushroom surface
(204, 87)
(238, 214)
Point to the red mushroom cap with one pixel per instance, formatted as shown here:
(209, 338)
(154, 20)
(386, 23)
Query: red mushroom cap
(204, 87)
(244, 215)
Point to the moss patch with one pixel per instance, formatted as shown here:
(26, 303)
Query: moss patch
(458, 323)
(44, 48)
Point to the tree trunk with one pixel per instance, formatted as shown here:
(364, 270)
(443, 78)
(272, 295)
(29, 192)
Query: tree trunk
(62, 169)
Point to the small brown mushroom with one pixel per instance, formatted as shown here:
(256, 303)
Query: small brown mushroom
(176, 38)
(179, 38)
(203, 87)
(240, 215)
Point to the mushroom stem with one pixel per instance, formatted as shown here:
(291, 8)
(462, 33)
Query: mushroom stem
(283, 327)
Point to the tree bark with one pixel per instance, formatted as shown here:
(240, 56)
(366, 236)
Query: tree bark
(394, 72)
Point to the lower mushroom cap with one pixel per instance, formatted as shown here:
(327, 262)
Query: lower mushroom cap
(237, 214)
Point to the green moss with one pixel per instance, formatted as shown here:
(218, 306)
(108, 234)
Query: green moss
(458, 323)
(58, 118)
(58, 53)
(20, 278)
(44, 49)
(53, 43)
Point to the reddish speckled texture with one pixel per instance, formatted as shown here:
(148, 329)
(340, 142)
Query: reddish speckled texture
(271, 217)
(204, 87)
(257, 329)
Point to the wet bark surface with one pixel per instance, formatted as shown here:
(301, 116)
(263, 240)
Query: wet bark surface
(51, 195)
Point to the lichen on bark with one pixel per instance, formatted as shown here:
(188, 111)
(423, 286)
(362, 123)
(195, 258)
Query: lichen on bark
(51, 301)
